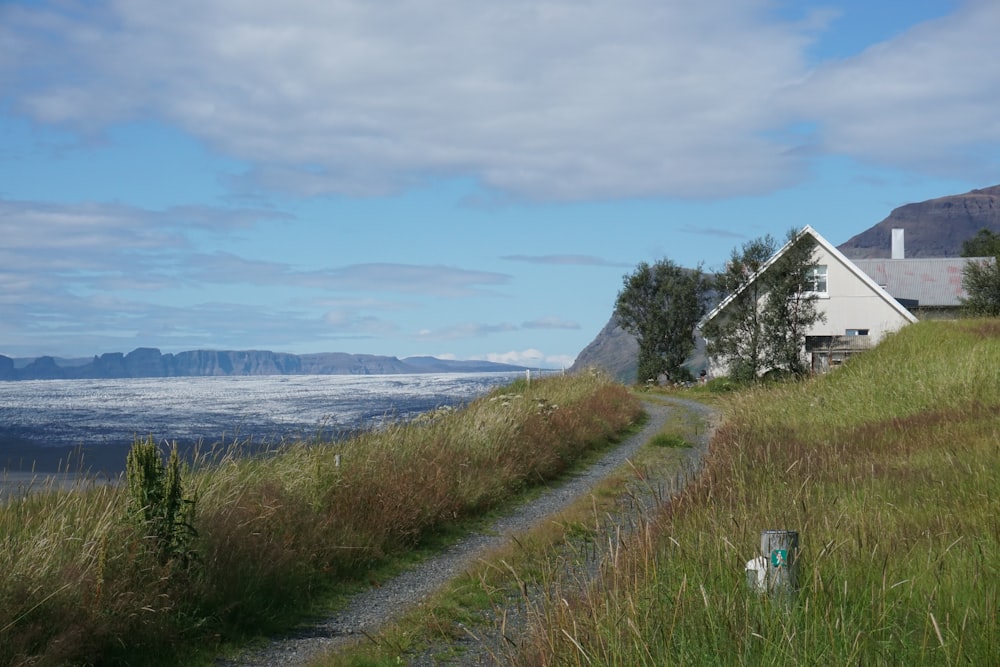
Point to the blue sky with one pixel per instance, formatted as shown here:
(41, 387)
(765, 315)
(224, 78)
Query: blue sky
(467, 179)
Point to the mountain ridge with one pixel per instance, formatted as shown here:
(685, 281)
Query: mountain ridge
(932, 228)
(149, 362)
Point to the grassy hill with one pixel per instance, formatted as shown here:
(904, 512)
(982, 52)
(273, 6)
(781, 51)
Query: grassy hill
(889, 469)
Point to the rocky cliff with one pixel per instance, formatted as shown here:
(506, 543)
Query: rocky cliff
(614, 351)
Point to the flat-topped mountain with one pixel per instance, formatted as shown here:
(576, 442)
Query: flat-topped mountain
(932, 228)
(147, 362)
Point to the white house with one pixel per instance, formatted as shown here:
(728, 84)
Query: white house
(858, 311)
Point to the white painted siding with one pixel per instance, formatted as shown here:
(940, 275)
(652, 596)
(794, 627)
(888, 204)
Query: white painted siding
(852, 304)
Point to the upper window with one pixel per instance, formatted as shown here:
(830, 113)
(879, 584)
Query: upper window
(816, 280)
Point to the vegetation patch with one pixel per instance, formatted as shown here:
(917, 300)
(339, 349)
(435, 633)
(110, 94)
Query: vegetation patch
(130, 574)
(887, 468)
(669, 440)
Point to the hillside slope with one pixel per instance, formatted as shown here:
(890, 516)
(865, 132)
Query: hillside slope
(614, 351)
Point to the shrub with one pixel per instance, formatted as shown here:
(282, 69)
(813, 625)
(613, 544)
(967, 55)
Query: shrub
(156, 500)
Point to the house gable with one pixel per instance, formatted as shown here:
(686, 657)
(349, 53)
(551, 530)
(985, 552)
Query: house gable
(854, 301)
(845, 281)
(857, 311)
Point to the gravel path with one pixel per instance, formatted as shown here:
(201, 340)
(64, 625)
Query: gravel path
(367, 611)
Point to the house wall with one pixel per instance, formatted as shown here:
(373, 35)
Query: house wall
(852, 304)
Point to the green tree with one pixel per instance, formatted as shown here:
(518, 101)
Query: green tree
(660, 305)
(981, 279)
(984, 244)
(738, 336)
(790, 306)
(769, 312)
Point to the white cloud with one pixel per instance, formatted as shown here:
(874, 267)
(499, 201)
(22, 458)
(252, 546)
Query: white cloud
(926, 100)
(550, 323)
(563, 260)
(113, 245)
(466, 330)
(436, 280)
(73, 271)
(531, 357)
(350, 321)
(97, 324)
(554, 100)
(28, 226)
(54, 255)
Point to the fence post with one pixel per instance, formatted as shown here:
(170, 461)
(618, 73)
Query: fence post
(780, 551)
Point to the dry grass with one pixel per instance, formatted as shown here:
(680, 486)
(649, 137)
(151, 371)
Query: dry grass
(278, 533)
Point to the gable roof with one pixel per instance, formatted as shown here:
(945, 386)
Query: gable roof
(926, 281)
(832, 251)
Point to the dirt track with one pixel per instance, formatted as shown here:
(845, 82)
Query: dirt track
(369, 610)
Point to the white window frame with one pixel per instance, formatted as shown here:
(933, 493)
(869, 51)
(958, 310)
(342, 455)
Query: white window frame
(818, 276)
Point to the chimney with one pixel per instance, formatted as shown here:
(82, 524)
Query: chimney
(898, 251)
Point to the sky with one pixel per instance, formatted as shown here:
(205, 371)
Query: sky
(468, 179)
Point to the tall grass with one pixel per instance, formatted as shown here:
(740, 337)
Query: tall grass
(273, 534)
(889, 468)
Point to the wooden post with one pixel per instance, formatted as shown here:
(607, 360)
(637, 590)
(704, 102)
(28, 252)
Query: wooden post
(780, 550)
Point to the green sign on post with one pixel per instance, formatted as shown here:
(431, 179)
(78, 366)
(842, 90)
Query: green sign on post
(779, 552)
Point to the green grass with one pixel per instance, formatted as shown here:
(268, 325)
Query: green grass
(278, 536)
(669, 440)
(557, 549)
(889, 469)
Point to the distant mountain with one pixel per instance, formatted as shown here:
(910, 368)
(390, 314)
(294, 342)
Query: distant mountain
(934, 228)
(147, 362)
(435, 365)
